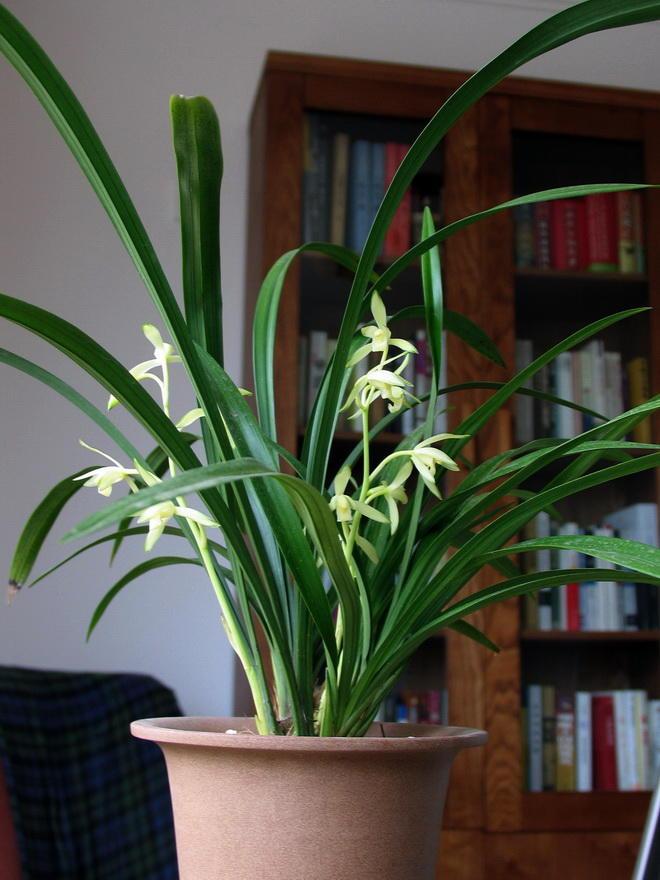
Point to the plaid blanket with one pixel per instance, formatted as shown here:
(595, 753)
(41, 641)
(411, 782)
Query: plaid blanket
(89, 801)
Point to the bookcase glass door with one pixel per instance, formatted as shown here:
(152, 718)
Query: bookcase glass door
(589, 650)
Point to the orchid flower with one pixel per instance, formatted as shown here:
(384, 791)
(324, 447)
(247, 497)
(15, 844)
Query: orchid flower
(343, 505)
(394, 494)
(163, 355)
(377, 383)
(158, 515)
(380, 334)
(104, 478)
(426, 459)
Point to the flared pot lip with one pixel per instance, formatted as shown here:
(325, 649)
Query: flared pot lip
(211, 732)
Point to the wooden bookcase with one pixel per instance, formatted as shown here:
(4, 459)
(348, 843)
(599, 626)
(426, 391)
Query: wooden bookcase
(493, 827)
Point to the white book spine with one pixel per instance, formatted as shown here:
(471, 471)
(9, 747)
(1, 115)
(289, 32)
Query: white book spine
(642, 775)
(654, 741)
(624, 727)
(535, 736)
(583, 742)
(318, 354)
(524, 404)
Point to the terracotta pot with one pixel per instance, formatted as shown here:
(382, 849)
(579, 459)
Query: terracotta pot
(250, 807)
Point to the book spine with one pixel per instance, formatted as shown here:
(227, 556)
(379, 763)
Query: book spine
(626, 234)
(318, 352)
(535, 736)
(359, 192)
(654, 741)
(398, 236)
(638, 232)
(604, 743)
(638, 385)
(524, 236)
(583, 742)
(376, 179)
(602, 252)
(565, 743)
(564, 236)
(542, 235)
(339, 201)
(549, 739)
(642, 743)
(303, 375)
(624, 728)
(524, 405)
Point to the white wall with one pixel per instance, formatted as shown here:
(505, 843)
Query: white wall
(57, 249)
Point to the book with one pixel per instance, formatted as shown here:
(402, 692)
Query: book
(604, 743)
(542, 247)
(626, 244)
(564, 244)
(318, 358)
(602, 250)
(339, 190)
(535, 736)
(565, 743)
(303, 375)
(524, 236)
(624, 730)
(583, 742)
(359, 194)
(376, 179)
(549, 738)
(542, 528)
(397, 237)
(569, 594)
(654, 742)
(637, 371)
(638, 231)
(524, 406)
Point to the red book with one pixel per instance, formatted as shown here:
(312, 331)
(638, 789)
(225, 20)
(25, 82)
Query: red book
(564, 234)
(572, 607)
(582, 235)
(542, 235)
(602, 233)
(604, 742)
(397, 237)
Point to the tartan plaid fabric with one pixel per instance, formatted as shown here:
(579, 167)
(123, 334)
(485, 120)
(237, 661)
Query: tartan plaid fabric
(89, 801)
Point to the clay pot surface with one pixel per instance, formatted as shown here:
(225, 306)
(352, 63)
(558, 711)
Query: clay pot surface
(250, 807)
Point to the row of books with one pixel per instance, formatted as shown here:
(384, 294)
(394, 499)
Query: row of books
(590, 376)
(344, 183)
(314, 353)
(597, 233)
(600, 741)
(417, 707)
(593, 605)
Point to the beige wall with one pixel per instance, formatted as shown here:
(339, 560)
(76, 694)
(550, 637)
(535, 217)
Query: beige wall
(57, 249)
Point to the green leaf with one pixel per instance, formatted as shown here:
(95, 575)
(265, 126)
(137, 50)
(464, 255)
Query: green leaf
(37, 527)
(633, 555)
(462, 327)
(466, 629)
(128, 533)
(196, 136)
(138, 571)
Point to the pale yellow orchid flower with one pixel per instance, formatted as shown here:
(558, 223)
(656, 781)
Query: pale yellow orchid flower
(105, 477)
(163, 355)
(158, 515)
(426, 459)
(343, 505)
(379, 334)
(394, 494)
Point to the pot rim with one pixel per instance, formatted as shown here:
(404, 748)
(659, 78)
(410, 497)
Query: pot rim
(210, 732)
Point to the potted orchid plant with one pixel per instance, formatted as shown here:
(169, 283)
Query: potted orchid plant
(327, 582)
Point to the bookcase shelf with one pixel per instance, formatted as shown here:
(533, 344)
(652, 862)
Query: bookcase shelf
(497, 150)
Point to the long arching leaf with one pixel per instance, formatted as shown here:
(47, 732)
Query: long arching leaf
(133, 574)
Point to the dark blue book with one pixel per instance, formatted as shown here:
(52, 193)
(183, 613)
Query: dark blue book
(359, 194)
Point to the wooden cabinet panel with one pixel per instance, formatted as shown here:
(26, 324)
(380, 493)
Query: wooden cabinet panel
(560, 856)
